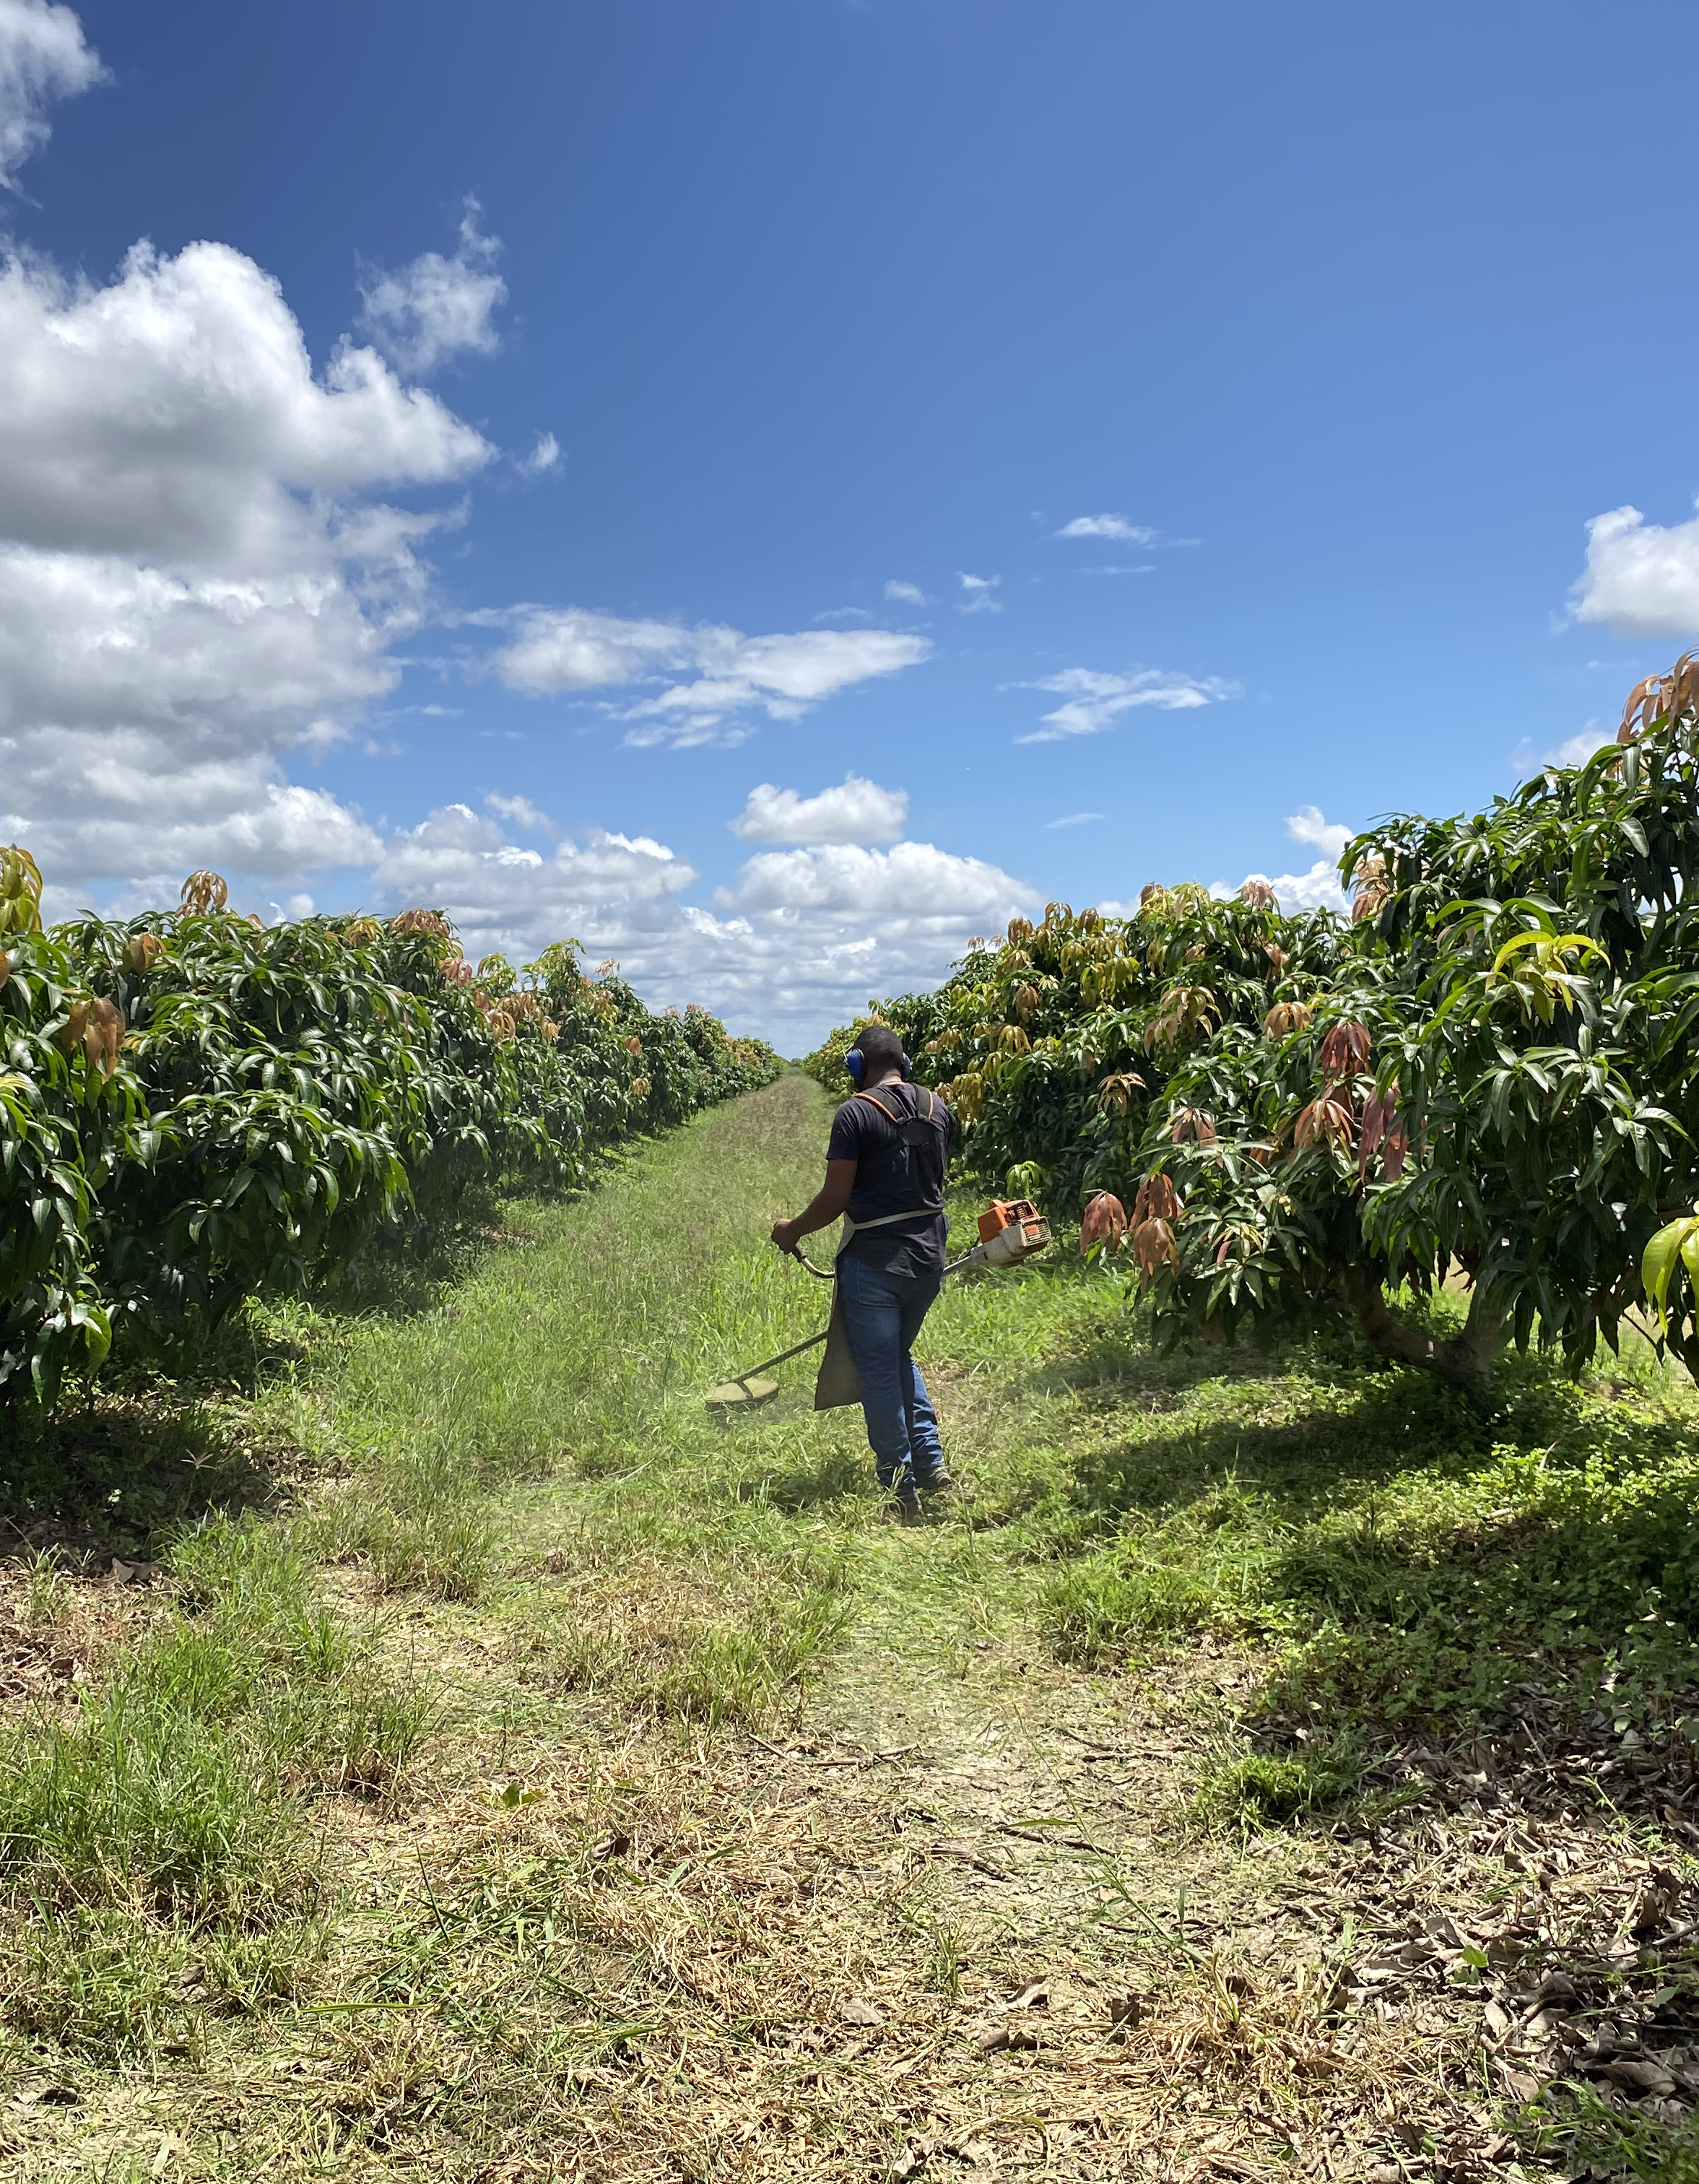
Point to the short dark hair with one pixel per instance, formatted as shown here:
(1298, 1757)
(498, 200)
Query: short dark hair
(881, 1048)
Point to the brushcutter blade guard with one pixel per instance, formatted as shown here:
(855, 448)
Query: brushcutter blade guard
(734, 1394)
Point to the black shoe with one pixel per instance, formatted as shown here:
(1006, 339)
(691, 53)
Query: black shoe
(904, 1507)
(935, 1482)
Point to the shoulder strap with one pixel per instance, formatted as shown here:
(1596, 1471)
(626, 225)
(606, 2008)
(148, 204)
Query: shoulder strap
(903, 1113)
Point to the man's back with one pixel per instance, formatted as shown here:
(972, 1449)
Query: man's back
(898, 1137)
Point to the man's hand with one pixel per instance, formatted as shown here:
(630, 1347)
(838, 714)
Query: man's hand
(822, 1209)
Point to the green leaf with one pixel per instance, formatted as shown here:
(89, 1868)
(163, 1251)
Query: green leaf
(1658, 1261)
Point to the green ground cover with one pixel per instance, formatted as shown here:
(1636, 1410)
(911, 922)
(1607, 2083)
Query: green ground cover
(461, 1593)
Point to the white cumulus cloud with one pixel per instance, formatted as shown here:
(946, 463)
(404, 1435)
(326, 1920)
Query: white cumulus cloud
(1108, 527)
(612, 891)
(1577, 750)
(43, 57)
(1318, 888)
(1641, 579)
(195, 578)
(174, 416)
(434, 308)
(1306, 824)
(709, 675)
(1095, 700)
(910, 878)
(856, 810)
(798, 943)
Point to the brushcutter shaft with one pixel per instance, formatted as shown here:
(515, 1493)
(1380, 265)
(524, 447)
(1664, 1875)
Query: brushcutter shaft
(1017, 1231)
(795, 1351)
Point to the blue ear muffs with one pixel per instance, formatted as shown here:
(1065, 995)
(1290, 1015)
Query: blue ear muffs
(855, 1063)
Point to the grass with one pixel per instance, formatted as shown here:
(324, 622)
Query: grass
(1412, 1562)
(178, 1790)
(1266, 1789)
(166, 1844)
(501, 1753)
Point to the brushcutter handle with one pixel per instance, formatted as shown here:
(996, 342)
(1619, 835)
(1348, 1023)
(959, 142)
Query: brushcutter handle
(820, 1273)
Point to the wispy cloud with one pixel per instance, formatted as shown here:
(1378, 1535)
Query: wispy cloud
(1075, 819)
(1108, 527)
(1119, 569)
(43, 57)
(520, 811)
(544, 457)
(980, 593)
(1574, 750)
(910, 595)
(710, 675)
(1096, 701)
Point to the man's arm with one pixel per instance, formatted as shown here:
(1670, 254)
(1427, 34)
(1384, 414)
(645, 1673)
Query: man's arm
(823, 1209)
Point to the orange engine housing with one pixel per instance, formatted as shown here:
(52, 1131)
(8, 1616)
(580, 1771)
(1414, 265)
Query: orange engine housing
(1006, 1213)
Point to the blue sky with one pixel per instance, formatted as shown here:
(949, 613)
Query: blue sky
(1105, 432)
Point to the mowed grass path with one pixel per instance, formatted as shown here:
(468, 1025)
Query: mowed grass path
(560, 1782)
(418, 1821)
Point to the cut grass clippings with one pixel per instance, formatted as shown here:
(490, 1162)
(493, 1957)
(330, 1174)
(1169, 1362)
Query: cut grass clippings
(514, 1770)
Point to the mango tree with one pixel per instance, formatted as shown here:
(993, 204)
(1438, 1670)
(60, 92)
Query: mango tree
(1054, 1045)
(194, 1107)
(1497, 1081)
(1484, 1079)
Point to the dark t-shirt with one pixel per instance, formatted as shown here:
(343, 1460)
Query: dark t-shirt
(893, 1177)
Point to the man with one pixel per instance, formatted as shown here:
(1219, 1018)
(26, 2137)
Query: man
(884, 1168)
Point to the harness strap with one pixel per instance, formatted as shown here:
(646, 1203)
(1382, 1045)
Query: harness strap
(884, 1220)
(902, 1116)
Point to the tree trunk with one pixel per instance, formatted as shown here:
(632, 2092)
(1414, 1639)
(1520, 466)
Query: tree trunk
(1466, 1360)
(225, 1298)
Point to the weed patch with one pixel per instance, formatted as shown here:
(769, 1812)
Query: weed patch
(433, 1534)
(165, 1820)
(163, 1793)
(1271, 1789)
(1412, 1562)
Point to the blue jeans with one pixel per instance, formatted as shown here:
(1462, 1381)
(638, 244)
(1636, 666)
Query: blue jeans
(881, 1316)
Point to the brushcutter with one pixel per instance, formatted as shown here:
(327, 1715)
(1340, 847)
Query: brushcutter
(1011, 1230)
